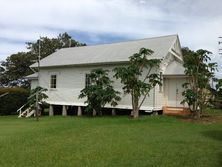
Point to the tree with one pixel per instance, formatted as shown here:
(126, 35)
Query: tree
(201, 71)
(100, 91)
(217, 93)
(17, 65)
(219, 85)
(2, 70)
(138, 78)
(49, 46)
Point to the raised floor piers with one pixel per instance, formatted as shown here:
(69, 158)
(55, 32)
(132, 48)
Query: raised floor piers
(65, 110)
(79, 112)
(51, 110)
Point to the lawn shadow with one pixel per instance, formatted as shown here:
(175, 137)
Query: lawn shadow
(213, 134)
(220, 158)
(216, 135)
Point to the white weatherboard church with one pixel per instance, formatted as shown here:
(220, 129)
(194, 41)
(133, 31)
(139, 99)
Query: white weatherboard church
(64, 73)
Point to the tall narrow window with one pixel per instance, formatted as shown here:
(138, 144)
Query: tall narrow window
(53, 81)
(87, 80)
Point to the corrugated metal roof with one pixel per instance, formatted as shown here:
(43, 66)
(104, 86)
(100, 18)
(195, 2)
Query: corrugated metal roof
(32, 76)
(107, 53)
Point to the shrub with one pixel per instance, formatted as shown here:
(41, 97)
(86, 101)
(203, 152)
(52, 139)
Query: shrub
(11, 102)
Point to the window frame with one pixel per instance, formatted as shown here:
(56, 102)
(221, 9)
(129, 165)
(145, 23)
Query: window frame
(87, 80)
(53, 81)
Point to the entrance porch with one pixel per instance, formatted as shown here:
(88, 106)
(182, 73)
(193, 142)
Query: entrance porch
(173, 96)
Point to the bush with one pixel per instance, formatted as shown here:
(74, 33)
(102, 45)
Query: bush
(217, 104)
(10, 103)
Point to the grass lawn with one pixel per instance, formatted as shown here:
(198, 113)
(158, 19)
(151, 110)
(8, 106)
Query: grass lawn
(109, 141)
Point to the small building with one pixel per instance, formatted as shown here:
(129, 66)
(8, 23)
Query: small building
(64, 73)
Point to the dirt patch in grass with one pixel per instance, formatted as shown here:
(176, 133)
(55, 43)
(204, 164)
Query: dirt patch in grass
(205, 119)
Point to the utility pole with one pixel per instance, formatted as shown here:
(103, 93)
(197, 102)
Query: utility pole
(70, 42)
(37, 93)
(220, 42)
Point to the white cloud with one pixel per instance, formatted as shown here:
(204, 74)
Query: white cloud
(25, 33)
(121, 17)
(198, 22)
(8, 48)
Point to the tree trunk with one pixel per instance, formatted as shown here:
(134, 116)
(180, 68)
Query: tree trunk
(100, 113)
(136, 113)
(135, 107)
(198, 114)
(94, 112)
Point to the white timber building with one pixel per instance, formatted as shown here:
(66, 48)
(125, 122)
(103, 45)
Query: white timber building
(64, 73)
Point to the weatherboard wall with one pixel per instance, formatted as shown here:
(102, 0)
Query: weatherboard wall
(71, 80)
(34, 83)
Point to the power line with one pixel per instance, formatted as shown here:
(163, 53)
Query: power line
(220, 42)
(37, 93)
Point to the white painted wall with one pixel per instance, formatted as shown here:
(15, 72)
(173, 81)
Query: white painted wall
(71, 80)
(34, 83)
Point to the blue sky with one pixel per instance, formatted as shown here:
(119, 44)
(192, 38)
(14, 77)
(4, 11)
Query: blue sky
(198, 23)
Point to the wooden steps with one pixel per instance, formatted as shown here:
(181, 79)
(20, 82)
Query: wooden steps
(32, 112)
(28, 112)
(168, 110)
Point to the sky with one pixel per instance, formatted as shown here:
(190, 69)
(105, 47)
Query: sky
(197, 22)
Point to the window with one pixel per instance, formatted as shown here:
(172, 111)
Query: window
(87, 81)
(53, 81)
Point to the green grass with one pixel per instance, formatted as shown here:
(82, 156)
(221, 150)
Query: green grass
(109, 141)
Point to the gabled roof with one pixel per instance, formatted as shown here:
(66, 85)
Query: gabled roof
(108, 53)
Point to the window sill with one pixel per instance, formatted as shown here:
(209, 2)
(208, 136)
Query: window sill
(52, 89)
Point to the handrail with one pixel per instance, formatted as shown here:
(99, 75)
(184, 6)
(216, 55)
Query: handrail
(32, 95)
(20, 109)
(35, 93)
(4, 94)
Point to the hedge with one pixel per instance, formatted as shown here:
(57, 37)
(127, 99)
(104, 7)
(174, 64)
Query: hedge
(11, 102)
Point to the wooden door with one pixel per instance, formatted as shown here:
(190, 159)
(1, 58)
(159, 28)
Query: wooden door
(174, 91)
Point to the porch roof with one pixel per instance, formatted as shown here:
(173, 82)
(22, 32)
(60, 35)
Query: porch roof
(32, 76)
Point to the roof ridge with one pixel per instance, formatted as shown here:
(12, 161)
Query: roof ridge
(106, 53)
(133, 40)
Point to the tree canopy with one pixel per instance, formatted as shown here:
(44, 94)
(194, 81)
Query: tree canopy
(201, 70)
(217, 92)
(138, 78)
(99, 91)
(50, 45)
(16, 66)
